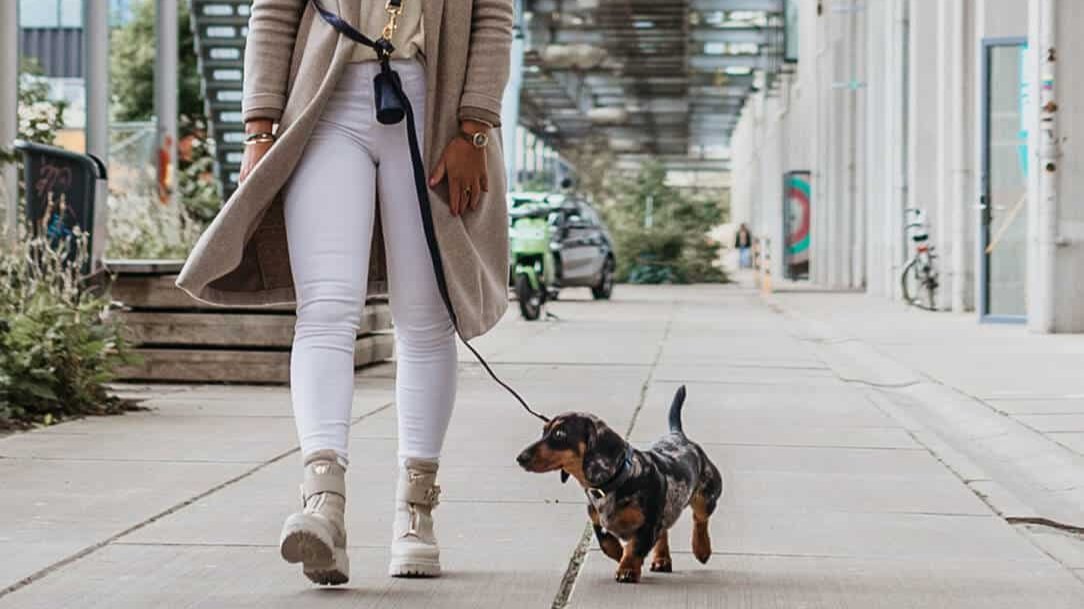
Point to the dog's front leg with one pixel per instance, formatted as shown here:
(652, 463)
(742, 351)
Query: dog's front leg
(610, 545)
(632, 561)
(661, 561)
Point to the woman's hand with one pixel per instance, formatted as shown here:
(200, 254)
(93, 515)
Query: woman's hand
(464, 165)
(255, 151)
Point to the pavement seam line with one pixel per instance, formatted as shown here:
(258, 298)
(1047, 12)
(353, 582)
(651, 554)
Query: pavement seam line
(91, 549)
(579, 553)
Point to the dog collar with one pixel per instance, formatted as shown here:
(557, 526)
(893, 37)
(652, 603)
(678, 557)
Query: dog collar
(620, 476)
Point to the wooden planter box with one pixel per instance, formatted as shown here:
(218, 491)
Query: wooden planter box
(181, 339)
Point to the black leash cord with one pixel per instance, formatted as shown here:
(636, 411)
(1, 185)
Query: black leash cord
(384, 50)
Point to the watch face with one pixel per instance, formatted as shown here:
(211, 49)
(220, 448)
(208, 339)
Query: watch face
(481, 139)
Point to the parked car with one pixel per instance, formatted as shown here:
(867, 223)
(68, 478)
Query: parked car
(557, 241)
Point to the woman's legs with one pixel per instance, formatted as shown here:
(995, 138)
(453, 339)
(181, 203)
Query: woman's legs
(330, 209)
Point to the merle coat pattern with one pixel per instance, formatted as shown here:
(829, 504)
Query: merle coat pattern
(634, 496)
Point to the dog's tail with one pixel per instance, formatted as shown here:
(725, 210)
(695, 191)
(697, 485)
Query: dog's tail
(675, 411)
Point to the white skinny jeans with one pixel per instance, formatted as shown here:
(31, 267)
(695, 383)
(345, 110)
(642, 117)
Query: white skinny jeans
(330, 206)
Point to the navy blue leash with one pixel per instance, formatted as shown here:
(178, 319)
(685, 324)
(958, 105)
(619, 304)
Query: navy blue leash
(391, 111)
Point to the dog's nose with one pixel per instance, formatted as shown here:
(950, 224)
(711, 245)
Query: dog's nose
(523, 459)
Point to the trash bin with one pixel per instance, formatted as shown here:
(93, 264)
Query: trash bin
(65, 190)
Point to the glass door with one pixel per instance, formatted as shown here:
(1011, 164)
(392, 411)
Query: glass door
(1004, 223)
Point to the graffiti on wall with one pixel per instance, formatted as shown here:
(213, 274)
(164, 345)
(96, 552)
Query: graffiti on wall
(797, 219)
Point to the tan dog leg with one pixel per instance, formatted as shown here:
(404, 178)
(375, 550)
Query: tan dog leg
(661, 562)
(701, 539)
(632, 563)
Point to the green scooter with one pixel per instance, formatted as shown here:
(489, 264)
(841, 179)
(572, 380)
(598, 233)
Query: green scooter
(533, 265)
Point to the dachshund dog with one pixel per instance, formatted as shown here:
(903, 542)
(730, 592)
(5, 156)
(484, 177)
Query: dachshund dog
(633, 496)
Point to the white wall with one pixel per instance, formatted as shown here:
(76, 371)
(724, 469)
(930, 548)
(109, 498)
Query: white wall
(1056, 190)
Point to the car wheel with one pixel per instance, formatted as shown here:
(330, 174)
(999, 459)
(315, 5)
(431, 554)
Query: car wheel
(605, 286)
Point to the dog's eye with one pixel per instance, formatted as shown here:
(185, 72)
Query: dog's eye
(559, 434)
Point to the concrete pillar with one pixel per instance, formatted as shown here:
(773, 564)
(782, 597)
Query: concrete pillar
(821, 261)
(896, 155)
(1056, 296)
(770, 222)
(510, 103)
(922, 133)
(165, 99)
(9, 101)
(876, 144)
(96, 32)
(857, 168)
(843, 65)
(961, 61)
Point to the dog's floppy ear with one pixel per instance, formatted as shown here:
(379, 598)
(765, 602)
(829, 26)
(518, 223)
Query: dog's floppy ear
(604, 450)
(564, 476)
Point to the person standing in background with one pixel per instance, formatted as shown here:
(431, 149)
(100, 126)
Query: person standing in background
(743, 241)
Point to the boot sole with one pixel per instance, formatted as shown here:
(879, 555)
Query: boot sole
(310, 545)
(413, 568)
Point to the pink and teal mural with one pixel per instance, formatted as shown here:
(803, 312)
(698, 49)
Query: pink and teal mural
(797, 218)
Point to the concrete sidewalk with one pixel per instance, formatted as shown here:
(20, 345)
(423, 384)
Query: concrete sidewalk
(1009, 401)
(834, 498)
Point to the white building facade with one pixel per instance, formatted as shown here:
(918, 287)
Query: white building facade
(960, 108)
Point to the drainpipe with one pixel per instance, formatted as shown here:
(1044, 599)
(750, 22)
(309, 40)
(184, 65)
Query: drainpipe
(1049, 156)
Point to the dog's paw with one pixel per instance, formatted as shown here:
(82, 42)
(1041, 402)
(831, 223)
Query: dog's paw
(662, 565)
(627, 576)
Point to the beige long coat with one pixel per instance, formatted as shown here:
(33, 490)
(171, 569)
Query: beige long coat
(293, 60)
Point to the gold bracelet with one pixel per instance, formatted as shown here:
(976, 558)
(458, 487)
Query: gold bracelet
(263, 137)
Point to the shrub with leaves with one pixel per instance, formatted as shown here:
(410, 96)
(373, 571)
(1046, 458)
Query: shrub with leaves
(59, 344)
(141, 227)
(39, 117)
(672, 246)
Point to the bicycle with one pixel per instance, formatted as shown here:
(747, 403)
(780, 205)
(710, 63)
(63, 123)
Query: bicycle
(919, 277)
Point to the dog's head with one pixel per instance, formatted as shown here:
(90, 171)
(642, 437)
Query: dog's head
(578, 444)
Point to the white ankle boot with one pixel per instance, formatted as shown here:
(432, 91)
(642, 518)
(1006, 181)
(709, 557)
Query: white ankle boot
(414, 551)
(316, 536)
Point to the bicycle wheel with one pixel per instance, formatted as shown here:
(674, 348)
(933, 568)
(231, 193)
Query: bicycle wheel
(910, 283)
(919, 284)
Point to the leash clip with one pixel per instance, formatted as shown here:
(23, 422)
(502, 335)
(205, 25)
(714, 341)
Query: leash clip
(394, 9)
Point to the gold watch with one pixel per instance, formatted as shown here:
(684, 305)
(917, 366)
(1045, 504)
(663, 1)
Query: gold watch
(478, 140)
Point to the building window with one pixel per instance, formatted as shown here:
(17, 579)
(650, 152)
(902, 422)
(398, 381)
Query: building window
(51, 13)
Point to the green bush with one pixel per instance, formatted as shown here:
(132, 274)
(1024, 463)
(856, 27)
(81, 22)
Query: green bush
(665, 241)
(59, 344)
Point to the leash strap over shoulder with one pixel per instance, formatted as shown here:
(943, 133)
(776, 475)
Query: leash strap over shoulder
(384, 49)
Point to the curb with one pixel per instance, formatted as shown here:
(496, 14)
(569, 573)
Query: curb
(998, 458)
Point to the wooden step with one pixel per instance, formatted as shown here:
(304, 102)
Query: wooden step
(238, 366)
(208, 328)
(184, 340)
